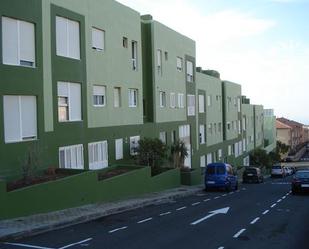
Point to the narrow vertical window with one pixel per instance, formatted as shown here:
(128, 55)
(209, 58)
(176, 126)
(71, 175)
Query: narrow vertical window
(201, 103)
(162, 96)
(133, 97)
(99, 95)
(134, 55)
(172, 100)
(181, 100)
(159, 61)
(117, 97)
(179, 64)
(191, 105)
(189, 71)
(98, 37)
(119, 148)
(202, 134)
(162, 136)
(125, 42)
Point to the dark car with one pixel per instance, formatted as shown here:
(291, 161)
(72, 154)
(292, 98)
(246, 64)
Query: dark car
(220, 175)
(300, 182)
(252, 174)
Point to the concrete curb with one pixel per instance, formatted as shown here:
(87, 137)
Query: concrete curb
(37, 224)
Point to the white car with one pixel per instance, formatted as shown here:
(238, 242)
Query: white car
(277, 171)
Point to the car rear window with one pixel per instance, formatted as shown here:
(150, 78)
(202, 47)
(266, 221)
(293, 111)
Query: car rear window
(210, 170)
(276, 167)
(250, 170)
(302, 174)
(220, 170)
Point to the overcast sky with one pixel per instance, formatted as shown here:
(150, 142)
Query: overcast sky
(261, 44)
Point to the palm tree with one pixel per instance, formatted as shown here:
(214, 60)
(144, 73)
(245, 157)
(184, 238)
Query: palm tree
(179, 152)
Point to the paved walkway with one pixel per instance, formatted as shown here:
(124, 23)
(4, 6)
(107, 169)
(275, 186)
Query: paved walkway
(40, 223)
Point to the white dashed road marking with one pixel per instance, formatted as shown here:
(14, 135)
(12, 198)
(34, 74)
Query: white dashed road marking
(26, 245)
(221, 247)
(145, 220)
(196, 203)
(217, 197)
(273, 205)
(207, 200)
(239, 233)
(266, 211)
(279, 200)
(255, 220)
(117, 229)
(181, 208)
(166, 213)
(77, 243)
(223, 195)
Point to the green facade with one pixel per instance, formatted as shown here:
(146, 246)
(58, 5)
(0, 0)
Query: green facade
(113, 68)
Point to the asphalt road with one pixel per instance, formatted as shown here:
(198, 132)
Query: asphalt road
(256, 216)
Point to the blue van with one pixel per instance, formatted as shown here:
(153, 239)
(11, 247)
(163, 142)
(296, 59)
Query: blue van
(220, 175)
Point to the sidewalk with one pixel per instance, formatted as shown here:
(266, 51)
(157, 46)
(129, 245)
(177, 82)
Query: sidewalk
(40, 223)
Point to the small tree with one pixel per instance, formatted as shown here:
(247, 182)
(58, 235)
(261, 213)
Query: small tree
(260, 158)
(282, 148)
(151, 152)
(179, 152)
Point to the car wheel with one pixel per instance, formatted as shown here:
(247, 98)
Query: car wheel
(228, 188)
(236, 187)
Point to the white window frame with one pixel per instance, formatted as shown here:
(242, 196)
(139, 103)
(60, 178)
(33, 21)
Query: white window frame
(99, 91)
(119, 149)
(162, 136)
(134, 55)
(219, 154)
(76, 155)
(159, 61)
(201, 103)
(191, 104)
(98, 39)
(202, 134)
(209, 158)
(179, 63)
(203, 161)
(189, 67)
(98, 155)
(229, 150)
(134, 144)
(74, 41)
(13, 41)
(162, 99)
(117, 97)
(16, 114)
(181, 98)
(172, 100)
(71, 106)
(133, 97)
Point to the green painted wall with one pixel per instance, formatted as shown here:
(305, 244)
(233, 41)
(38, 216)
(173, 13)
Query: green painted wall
(258, 126)
(247, 112)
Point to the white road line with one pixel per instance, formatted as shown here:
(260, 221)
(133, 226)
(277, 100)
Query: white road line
(255, 220)
(181, 208)
(283, 197)
(217, 197)
(273, 205)
(117, 229)
(279, 200)
(239, 233)
(221, 247)
(77, 243)
(224, 195)
(207, 200)
(196, 203)
(166, 213)
(28, 246)
(145, 220)
(266, 211)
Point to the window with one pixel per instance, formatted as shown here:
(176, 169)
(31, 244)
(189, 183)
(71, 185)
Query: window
(132, 97)
(162, 96)
(173, 100)
(189, 71)
(229, 102)
(239, 127)
(209, 100)
(191, 105)
(98, 155)
(98, 37)
(173, 136)
(134, 145)
(179, 64)
(71, 157)
(162, 136)
(203, 161)
(20, 118)
(210, 128)
(99, 95)
(219, 154)
(215, 128)
(67, 38)
(209, 158)
(228, 125)
(238, 104)
(201, 103)
(229, 150)
(240, 147)
(134, 55)
(125, 42)
(244, 123)
(166, 55)
(244, 144)
(181, 100)
(119, 148)
(69, 101)
(117, 97)
(236, 149)
(159, 61)
(18, 42)
(202, 134)
(219, 127)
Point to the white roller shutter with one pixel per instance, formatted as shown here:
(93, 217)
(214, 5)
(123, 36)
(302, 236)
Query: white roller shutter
(11, 110)
(119, 148)
(74, 39)
(28, 117)
(61, 36)
(27, 42)
(97, 38)
(75, 101)
(10, 41)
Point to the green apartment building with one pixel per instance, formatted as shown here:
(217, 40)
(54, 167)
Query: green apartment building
(83, 81)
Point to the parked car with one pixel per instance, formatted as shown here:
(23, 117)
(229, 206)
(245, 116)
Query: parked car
(220, 176)
(300, 181)
(252, 174)
(277, 171)
(288, 171)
